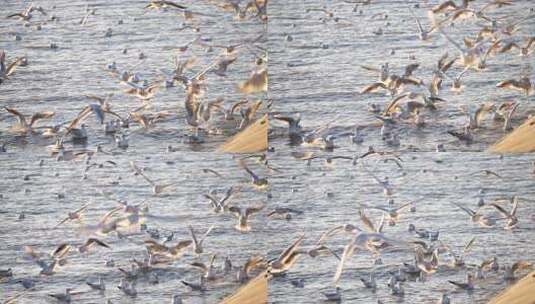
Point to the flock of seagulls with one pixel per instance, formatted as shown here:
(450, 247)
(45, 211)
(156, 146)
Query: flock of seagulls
(413, 100)
(416, 102)
(201, 119)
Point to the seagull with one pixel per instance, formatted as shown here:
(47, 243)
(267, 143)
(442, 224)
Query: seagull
(260, 182)
(197, 243)
(129, 275)
(79, 134)
(523, 84)
(507, 125)
(458, 259)
(26, 15)
(347, 228)
(227, 265)
(258, 6)
(423, 34)
(104, 226)
(206, 108)
(284, 212)
(524, 50)
(99, 110)
(6, 273)
(24, 125)
(383, 71)
(469, 58)
(427, 249)
(145, 267)
(90, 243)
(208, 170)
(248, 114)
(223, 63)
(511, 269)
(443, 65)
(97, 286)
(221, 205)
(156, 188)
(487, 173)
(477, 218)
(147, 120)
(474, 121)
(491, 264)
(468, 285)
(243, 275)
(63, 297)
(243, 216)
(456, 85)
(464, 135)
(128, 289)
(208, 270)
(75, 215)
(396, 289)
(257, 82)
(121, 140)
(448, 5)
(318, 250)
(157, 4)
(294, 127)
(57, 257)
(333, 296)
(426, 266)
(201, 286)
(155, 248)
(512, 220)
(356, 137)
(298, 283)
(287, 258)
(228, 112)
(370, 282)
(7, 70)
(368, 223)
(371, 241)
(385, 184)
(27, 283)
(143, 91)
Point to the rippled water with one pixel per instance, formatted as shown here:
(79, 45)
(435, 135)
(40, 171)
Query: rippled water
(316, 74)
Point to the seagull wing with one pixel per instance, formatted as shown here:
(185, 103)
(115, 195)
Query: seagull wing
(183, 244)
(138, 171)
(20, 116)
(329, 233)
(12, 66)
(199, 265)
(468, 246)
(348, 251)
(251, 210)
(366, 221)
(94, 241)
(81, 209)
(465, 209)
(242, 164)
(515, 205)
(288, 251)
(193, 236)
(501, 210)
(206, 233)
